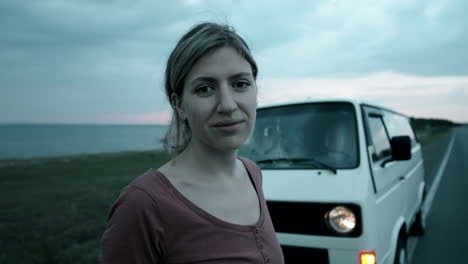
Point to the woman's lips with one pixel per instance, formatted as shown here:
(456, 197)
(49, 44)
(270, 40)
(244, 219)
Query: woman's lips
(228, 126)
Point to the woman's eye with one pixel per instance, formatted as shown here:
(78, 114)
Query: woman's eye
(204, 90)
(242, 84)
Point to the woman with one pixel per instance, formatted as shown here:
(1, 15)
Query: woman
(205, 205)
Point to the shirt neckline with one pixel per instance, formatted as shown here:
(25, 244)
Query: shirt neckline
(211, 218)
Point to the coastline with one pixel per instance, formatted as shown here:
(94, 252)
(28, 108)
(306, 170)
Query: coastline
(74, 157)
(31, 141)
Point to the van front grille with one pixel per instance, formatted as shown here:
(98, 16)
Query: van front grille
(308, 218)
(299, 255)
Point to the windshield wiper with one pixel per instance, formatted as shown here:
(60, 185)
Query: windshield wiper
(299, 160)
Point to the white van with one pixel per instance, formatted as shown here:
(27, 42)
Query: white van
(344, 180)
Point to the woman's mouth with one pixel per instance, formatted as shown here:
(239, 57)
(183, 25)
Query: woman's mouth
(228, 127)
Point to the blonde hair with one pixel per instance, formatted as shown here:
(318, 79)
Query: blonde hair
(196, 43)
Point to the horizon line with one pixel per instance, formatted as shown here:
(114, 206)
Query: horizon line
(90, 124)
(167, 124)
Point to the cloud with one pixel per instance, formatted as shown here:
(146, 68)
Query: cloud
(162, 117)
(75, 60)
(192, 2)
(441, 97)
(344, 38)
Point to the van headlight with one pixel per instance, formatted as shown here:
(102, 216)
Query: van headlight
(341, 219)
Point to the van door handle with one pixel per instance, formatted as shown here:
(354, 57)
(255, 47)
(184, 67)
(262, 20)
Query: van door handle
(401, 178)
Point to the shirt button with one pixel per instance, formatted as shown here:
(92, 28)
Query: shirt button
(256, 230)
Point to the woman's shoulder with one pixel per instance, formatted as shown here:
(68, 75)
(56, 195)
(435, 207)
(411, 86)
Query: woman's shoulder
(134, 218)
(140, 192)
(252, 168)
(143, 191)
(148, 181)
(249, 164)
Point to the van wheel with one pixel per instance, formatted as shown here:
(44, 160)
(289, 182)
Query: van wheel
(419, 226)
(401, 255)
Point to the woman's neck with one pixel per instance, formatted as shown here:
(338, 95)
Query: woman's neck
(210, 161)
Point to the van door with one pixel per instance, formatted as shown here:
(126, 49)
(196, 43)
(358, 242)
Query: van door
(390, 195)
(411, 171)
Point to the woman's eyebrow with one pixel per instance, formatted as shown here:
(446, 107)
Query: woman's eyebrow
(214, 80)
(203, 79)
(240, 74)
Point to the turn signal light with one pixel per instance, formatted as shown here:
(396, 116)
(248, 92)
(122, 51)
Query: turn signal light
(367, 257)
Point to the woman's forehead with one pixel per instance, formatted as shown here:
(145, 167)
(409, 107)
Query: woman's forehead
(223, 62)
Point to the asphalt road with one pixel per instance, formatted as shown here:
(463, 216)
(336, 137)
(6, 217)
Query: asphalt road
(433, 155)
(446, 238)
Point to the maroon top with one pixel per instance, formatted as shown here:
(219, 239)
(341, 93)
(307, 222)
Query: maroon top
(152, 222)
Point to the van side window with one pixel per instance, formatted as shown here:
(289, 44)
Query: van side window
(379, 139)
(398, 125)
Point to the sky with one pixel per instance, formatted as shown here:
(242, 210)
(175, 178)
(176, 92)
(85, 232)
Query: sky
(97, 61)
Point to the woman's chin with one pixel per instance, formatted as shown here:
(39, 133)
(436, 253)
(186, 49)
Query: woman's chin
(229, 144)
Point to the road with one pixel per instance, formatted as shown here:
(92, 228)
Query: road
(446, 238)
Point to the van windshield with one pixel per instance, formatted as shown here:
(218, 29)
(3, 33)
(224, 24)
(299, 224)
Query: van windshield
(304, 136)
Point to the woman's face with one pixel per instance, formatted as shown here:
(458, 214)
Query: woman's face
(219, 100)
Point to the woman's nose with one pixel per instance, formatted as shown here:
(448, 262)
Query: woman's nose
(226, 100)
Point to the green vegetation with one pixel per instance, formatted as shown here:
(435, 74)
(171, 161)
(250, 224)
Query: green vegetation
(55, 210)
(428, 130)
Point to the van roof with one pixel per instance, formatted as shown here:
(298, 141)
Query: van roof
(355, 102)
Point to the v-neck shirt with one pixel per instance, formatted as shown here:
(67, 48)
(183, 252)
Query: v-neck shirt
(152, 222)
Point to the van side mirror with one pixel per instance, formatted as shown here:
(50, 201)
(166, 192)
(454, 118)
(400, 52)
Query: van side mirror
(401, 149)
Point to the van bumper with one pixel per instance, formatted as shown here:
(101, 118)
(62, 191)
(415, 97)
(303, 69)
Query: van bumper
(293, 254)
(328, 250)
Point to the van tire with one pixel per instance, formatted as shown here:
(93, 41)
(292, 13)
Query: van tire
(401, 254)
(420, 223)
(419, 226)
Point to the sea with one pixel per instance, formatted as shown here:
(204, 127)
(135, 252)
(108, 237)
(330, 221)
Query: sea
(24, 141)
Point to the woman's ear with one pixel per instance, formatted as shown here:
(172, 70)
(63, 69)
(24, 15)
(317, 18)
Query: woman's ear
(256, 94)
(176, 104)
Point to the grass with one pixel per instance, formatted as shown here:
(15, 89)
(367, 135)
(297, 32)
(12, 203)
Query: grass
(54, 210)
